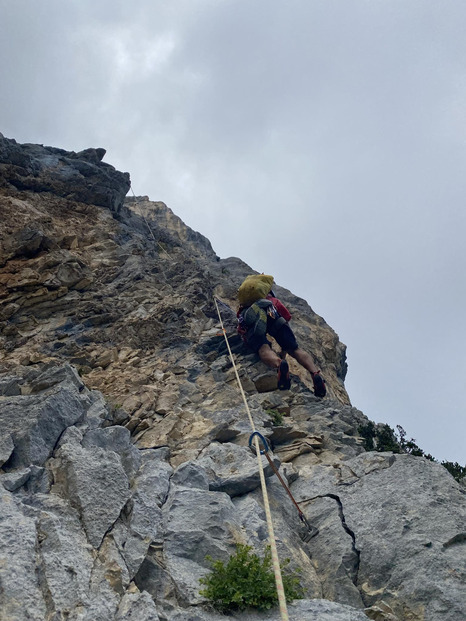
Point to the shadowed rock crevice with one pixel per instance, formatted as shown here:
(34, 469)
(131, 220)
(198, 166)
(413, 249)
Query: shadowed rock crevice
(351, 560)
(456, 540)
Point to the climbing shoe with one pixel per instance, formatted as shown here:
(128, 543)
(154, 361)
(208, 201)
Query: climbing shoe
(319, 385)
(283, 376)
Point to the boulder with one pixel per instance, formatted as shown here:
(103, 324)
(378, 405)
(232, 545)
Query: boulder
(94, 482)
(36, 422)
(233, 469)
(198, 523)
(137, 607)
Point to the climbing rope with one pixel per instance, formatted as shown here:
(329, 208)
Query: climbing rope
(312, 530)
(254, 437)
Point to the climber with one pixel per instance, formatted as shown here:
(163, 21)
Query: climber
(261, 313)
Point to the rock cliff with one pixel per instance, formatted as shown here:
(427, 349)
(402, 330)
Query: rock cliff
(124, 446)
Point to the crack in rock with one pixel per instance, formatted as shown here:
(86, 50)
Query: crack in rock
(459, 538)
(352, 567)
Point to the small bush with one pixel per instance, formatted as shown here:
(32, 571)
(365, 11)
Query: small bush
(367, 433)
(247, 581)
(380, 438)
(276, 416)
(386, 439)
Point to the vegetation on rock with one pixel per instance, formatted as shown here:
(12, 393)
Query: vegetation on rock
(383, 438)
(276, 416)
(247, 581)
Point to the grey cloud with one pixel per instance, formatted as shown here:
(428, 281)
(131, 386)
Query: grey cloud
(322, 142)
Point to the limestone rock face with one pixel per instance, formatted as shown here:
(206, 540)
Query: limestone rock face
(397, 511)
(124, 457)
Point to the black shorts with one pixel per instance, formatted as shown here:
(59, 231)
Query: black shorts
(284, 337)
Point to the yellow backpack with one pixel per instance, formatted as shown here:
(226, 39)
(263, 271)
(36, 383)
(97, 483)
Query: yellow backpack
(254, 287)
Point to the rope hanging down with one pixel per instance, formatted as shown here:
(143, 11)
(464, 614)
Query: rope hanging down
(273, 545)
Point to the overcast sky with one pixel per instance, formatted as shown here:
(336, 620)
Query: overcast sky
(321, 141)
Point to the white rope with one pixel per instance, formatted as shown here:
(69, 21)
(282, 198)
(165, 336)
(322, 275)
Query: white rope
(273, 545)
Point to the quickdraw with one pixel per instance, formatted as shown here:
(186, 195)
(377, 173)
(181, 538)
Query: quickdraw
(313, 531)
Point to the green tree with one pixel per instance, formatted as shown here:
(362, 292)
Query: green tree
(457, 471)
(384, 438)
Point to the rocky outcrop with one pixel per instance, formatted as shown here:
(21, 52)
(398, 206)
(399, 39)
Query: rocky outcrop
(404, 537)
(79, 176)
(124, 456)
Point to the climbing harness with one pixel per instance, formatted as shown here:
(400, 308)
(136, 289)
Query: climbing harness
(312, 530)
(273, 544)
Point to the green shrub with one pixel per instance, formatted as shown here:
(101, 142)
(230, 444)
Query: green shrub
(457, 471)
(276, 416)
(384, 438)
(367, 433)
(247, 581)
(380, 438)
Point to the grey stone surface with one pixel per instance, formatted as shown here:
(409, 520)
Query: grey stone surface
(35, 422)
(98, 412)
(117, 439)
(109, 581)
(143, 523)
(6, 447)
(94, 481)
(137, 607)
(66, 556)
(198, 523)
(9, 386)
(338, 560)
(55, 375)
(403, 511)
(300, 610)
(20, 595)
(233, 469)
(191, 474)
(290, 533)
(154, 578)
(39, 481)
(154, 476)
(15, 479)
